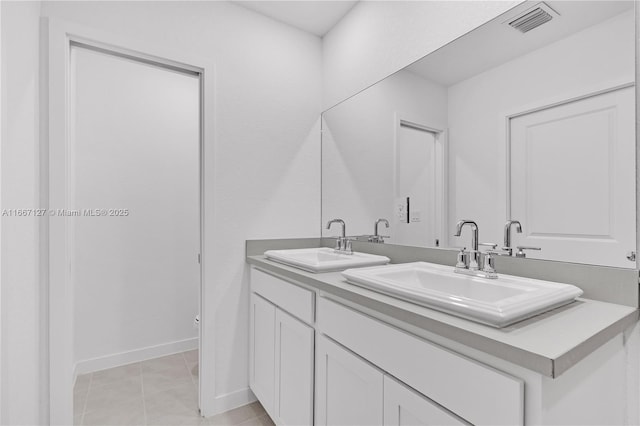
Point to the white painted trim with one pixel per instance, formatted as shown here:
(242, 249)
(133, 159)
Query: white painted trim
(136, 355)
(637, 77)
(504, 149)
(2, 319)
(233, 400)
(441, 168)
(58, 36)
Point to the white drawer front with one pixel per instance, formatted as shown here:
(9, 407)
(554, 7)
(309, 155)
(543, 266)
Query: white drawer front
(477, 393)
(291, 298)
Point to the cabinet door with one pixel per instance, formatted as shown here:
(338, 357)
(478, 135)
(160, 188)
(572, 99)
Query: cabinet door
(405, 407)
(262, 351)
(348, 389)
(294, 371)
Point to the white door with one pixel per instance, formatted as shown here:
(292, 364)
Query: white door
(262, 351)
(573, 179)
(349, 390)
(293, 371)
(415, 191)
(405, 407)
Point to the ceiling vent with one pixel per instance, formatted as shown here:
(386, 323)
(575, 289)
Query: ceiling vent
(532, 18)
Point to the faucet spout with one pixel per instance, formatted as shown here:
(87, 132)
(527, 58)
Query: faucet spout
(378, 222)
(507, 234)
(340, 222)
(474, 232)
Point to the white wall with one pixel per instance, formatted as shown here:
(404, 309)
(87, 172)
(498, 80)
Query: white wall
(378, 38)
(135, 146)
(21, 334)
(267, 168)
(575, 65)
(268, 99)
(358, 149)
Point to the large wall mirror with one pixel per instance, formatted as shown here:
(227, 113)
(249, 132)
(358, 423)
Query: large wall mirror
(530, 117)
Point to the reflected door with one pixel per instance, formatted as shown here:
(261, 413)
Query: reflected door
(573, 179)
(415, 189)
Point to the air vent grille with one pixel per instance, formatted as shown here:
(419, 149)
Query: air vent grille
(531, 20)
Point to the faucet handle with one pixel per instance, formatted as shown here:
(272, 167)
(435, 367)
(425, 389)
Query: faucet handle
(462, 259)
(489, 265)
(347, 246)
(492, 245)
(521, 253)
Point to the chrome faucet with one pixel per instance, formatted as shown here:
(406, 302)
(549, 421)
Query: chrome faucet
(507, 235)
(473, 258)
(343, 245)
(376, 237)
(340, 222)
(469, 263)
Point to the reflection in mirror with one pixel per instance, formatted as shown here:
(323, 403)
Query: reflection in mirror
(535, 126)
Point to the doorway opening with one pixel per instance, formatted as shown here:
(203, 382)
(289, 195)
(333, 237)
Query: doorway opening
(419, 184)
(135, 236)
(124, 160)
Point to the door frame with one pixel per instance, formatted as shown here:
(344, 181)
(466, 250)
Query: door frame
(541, 105)
(441, 167)
(55, 193)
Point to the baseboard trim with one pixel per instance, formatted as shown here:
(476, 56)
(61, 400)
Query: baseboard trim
(231, 400)
(142, 354)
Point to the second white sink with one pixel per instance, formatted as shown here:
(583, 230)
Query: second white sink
(324, 259)
(496, 302)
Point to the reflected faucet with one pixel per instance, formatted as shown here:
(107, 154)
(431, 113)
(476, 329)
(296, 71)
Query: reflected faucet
(377, 238)
(343, 245)
(473, 261)
(507, 235)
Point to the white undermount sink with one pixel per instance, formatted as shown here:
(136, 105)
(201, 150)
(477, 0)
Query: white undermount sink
(324, 259)
(496, 302)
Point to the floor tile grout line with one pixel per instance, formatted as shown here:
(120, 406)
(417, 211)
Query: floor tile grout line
(186, 363)
(86, 399)
(193, 380)
(93, 385)
(144, 403)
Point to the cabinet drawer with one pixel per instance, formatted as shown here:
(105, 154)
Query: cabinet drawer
(477, 393)
(291, 298)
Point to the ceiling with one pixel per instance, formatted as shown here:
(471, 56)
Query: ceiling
(315, 17)
(496, 42)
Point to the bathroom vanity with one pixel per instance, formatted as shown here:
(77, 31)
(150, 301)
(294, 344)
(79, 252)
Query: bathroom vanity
(326, 352)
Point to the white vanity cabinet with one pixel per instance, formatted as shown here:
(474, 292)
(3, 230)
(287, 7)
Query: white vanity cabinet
(447, 388)
(320, 358)
(282, 349)
(349, 390)
(263, 343)
(294, 371)
(404, 406)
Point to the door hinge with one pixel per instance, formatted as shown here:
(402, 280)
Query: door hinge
(199, 258)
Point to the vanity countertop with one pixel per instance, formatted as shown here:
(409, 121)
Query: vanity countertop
(549, 343)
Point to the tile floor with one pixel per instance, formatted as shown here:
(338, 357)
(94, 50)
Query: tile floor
(161, 391)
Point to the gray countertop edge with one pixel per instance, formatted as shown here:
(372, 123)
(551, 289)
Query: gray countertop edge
(572, 357)
(545, 365)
